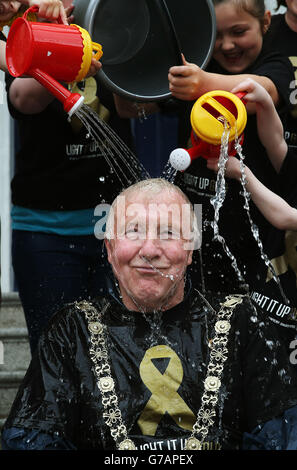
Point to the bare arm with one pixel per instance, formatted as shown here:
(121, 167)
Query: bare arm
(51, 9)
(3, 65)
(269, 125)
(275, 209)
(189, 82)
(28, 96)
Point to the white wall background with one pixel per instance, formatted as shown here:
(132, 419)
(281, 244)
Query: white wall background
(6, 159)
(272, 4)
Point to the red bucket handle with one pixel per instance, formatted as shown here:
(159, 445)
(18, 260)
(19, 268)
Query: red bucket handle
(240, 95)
(35, 9)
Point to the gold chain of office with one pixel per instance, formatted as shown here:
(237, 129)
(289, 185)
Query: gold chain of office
(218, 355)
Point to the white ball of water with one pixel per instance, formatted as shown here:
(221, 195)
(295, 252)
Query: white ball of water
(180, 159)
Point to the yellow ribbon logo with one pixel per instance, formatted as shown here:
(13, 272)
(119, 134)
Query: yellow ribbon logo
(164, 388)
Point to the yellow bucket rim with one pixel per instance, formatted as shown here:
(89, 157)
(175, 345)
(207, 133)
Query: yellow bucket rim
(87, 53)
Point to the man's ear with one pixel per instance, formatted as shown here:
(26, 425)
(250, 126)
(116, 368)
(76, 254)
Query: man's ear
(190, 257)
(109, 249)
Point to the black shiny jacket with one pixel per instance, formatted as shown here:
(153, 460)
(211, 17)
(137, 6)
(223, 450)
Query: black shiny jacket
(60, 402)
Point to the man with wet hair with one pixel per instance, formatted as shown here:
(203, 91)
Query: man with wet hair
(156, 365)
(150, 248)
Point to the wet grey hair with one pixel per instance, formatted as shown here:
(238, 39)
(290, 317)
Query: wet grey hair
(151, 186)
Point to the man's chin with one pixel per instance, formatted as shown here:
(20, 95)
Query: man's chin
(152, 297)
(153, 301)
(148, 305)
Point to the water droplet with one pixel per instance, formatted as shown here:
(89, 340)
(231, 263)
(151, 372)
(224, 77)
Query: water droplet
(253, 226)
(117, 154)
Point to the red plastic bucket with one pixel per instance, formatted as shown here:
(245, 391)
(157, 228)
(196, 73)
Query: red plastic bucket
(50, 52)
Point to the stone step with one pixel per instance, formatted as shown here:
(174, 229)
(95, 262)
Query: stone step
(11, 311)
(16, 354)
(9, 384)
(14, 351)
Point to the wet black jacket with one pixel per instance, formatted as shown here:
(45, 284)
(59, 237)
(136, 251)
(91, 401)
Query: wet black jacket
(59, 404)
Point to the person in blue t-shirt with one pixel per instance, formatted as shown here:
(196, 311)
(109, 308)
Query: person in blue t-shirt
(61, 175)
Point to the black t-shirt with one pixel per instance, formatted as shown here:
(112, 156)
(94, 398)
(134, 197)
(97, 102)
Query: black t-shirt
(281, 250)
(58, 167)
(60, 396)
(199, 184)
(281, 38)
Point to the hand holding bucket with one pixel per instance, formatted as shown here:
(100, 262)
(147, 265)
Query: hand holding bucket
(51, 53)
(207, 119)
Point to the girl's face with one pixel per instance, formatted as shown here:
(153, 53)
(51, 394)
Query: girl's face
(8, 9)
(239, 37)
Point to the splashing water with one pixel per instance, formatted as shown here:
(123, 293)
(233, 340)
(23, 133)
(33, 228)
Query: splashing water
(219, 198)
(254, 228)
(157, 310)
(201, 270)
(169, 173)
(154, 318)
(168, 276)
(141, 114)
(119, 157)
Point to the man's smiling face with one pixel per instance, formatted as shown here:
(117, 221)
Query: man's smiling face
(149, 258)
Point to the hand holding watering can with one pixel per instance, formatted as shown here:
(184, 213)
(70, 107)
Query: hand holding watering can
(51, 53)
(208, 117)
(52, 10)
